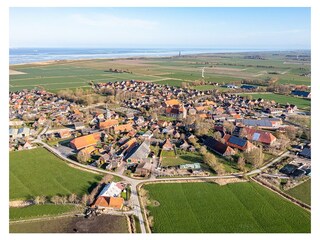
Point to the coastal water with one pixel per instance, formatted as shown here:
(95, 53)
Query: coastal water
(29, 55)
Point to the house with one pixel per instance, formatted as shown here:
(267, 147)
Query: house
(78, 125)
(85, 141)
(64, 133)
(218, 147)
(144, 168)
(248, 87)
(258, 135)
(123, 128)
(108, 202)
(87, 150)
(138, 153)
(237, 142)
(23, 132)
(13, 133)
(301, 93)
(112, 189)
(108, 124)
(172, 102)
(306, 152)
(184, 145)
(147, 135)
(167, 146)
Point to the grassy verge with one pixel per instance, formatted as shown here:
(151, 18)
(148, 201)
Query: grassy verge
(36, 211)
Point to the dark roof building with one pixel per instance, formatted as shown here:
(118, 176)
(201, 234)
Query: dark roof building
(301, 93)
(218, 147)
(306, 152)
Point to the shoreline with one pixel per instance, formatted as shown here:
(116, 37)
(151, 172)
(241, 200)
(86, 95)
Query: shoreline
(148, 56)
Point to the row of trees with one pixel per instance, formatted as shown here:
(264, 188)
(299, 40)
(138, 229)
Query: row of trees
(58, 199)
(212, 161)
(80, 96)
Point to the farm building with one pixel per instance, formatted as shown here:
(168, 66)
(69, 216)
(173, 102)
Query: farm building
(301, 93)
(258, 135)
(268, 123)
(138, 153)
(108, 202)
(85, 141)
(249, 87)
(108, 124)
(237, 142)
(218, 147)
(112, 189)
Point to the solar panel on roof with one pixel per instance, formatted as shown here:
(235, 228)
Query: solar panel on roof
(255, 136)
(237, 141)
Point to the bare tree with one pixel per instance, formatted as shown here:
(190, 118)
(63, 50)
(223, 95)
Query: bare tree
(84, 199)
(241, 164)
(37, 200)
(72, 198)
(42, 199)
(217, 136)
(203, 150)
(228, 126)
(55, 199)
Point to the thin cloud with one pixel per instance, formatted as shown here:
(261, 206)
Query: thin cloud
(111, 21)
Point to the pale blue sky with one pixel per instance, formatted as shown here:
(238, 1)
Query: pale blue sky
(267, 28)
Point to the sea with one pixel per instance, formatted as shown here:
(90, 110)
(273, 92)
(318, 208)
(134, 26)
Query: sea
(30, 55)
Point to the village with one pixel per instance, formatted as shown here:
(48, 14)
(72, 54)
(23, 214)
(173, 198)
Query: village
(161, 131)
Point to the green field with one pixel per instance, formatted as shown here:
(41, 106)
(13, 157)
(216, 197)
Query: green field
(38, 172)
(36, 211)
(283, 99)
(302, 192)
(232, 208)
(222, 68)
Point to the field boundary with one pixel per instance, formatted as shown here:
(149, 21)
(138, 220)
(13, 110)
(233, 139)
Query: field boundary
(283, 194)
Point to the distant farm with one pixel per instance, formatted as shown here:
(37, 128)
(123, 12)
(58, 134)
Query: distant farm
(219, 68)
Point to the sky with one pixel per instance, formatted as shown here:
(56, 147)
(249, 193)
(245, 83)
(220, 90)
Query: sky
(249, 28)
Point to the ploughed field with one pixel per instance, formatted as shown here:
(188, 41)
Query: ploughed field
(232, 208)
(100, 224)
(38, 172)
(221, 68)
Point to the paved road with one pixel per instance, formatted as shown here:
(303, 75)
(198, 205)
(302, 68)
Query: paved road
(135, 182)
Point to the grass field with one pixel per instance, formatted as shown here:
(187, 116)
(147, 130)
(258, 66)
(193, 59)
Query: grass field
(99, 224)
(38, 172)
(36, 211)
(232, 208)
(302, 192)
(222, 68)
(283, 99)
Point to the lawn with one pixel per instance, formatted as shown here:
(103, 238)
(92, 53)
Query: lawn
(302, 192)
(170, 159)
(38, 172)
(283, 99)
(36, 211)
(233, 208)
